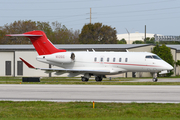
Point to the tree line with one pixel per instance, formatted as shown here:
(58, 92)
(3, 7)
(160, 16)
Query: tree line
(96, 33)
(56, 32)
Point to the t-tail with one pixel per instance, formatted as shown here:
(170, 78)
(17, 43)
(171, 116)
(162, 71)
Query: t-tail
(41, 43)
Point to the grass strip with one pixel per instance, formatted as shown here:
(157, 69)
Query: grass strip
(65, 80)
(83, 110)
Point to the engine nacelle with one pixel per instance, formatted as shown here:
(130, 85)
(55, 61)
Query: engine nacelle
(63, 57)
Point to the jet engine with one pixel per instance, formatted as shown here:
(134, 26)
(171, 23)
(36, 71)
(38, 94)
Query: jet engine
(63, 57)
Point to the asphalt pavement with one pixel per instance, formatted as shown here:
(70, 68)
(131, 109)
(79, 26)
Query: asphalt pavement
(88, 93)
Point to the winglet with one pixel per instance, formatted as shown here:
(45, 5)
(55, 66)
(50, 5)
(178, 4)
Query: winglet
(29, 65)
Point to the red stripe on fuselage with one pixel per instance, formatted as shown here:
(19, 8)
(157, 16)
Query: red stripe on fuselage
(128, 64)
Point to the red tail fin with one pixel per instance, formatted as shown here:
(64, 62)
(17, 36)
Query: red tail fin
(41, 43)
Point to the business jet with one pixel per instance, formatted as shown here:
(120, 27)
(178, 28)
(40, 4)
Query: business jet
(98, 64)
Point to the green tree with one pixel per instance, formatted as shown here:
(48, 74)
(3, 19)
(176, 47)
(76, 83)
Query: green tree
(138, 42)
(57, 33)
(15, 28)
(177, 65)
(44, 26)
(150, 40)
(169, 42)
(164, 53)
(2, 35)
(62, 35)
(122, 41)
(97, 34)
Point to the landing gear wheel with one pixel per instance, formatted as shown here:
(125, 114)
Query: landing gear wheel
(98, 79)
(84, 79)
(155, 79)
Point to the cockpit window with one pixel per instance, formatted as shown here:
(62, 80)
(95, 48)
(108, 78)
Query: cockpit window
(149, 56)
(156, 57)
(153, 57)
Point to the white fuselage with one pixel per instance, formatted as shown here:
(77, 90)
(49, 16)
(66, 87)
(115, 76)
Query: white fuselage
(114, 62)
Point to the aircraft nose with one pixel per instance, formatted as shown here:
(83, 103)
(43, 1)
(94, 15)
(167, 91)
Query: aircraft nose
(169, 67)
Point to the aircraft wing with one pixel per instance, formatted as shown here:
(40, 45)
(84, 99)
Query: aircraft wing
(48, 70)
(72, 70)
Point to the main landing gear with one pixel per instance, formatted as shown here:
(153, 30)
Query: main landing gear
(98, 78)
(155, 77)
(86, 77)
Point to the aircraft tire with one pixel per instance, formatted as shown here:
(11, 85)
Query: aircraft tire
(155, 79)
(84, 79)
(98, 79)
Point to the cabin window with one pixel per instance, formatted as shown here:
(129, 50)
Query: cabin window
(107, 59)
(126, 59)
(101, 59)
(119, 59)
(95, 59)
(114, 59)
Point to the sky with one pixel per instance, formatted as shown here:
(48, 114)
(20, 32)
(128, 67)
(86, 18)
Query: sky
(159, 16)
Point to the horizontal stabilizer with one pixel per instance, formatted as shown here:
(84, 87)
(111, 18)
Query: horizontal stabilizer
(25, 35)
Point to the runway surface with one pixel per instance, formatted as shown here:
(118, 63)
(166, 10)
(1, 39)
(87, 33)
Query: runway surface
(159, 80)
(97, 93)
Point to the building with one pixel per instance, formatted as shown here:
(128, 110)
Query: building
(11, 65)
(131, 37)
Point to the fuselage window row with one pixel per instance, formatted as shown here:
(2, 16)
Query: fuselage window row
(114, 59)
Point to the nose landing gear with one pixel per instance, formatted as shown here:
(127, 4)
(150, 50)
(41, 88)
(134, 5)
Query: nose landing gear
(155, 77)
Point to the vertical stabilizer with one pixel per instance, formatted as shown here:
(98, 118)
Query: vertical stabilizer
(41, 43)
